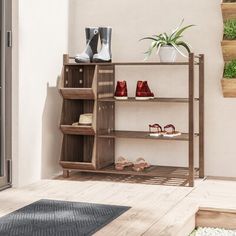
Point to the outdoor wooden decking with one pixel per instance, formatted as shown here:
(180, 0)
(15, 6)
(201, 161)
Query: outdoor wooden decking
(156, 210)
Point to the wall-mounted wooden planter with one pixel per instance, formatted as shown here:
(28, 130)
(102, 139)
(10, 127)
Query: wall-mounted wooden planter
(229, 87)
(216, 218)
(205, 217)
(228, 10)
(229, 49)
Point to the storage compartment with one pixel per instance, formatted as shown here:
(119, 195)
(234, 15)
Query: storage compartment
(78, 152)
(78, 82)
(72, 109)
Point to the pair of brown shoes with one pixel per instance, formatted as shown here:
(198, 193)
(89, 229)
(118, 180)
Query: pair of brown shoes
(139, 165)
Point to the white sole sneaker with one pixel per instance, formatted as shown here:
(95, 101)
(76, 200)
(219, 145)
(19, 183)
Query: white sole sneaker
(155, 134)
(172, 135)
(143, 98)
(121, 98)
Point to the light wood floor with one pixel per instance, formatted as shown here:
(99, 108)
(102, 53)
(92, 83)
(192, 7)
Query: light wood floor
(156, 210)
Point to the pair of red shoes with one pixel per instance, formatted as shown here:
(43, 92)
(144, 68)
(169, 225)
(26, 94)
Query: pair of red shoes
(143, 91)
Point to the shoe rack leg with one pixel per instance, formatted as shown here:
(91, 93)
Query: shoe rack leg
(66, 173)
(191, 120)
(201, 116)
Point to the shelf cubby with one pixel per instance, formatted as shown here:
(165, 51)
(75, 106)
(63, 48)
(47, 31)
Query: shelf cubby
(78, 151)
(71, 111)
(78, 82)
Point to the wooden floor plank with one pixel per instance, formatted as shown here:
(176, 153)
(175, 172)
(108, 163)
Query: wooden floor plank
(155, 210)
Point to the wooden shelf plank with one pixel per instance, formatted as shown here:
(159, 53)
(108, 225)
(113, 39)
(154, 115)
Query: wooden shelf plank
(132, 64)
(154, 171)
(77, 165)
(132, 99)
(141, 135)
(78, 93)
(77, 130)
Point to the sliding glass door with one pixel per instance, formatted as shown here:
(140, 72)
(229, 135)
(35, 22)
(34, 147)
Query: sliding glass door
(5, 92)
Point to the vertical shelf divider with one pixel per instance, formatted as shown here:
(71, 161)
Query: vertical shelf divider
(201, 115)
(191, 119)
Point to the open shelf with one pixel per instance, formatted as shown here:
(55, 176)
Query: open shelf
(157, 171)
(77, 93)
(132, 64)
(141, 135)
(71, 111)
(78, 152)
(77, 130)
(78, 82)
(132, 99)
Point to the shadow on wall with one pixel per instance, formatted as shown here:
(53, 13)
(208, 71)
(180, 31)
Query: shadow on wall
(51, 135)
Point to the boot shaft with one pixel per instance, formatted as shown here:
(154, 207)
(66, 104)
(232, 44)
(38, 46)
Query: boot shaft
(121, 88)
(105, 34)
(105, 53)
(92, 35)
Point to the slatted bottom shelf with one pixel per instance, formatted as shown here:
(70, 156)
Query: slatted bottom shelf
(162, 175)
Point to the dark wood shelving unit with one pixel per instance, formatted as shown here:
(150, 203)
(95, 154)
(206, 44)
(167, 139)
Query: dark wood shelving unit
(77, 130)
(154, 171)
(89, 88)
(141, 135)
(165, 100)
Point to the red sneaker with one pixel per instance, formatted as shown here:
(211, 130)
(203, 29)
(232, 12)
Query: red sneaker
(143, 91)
(121, 91)
(149, 92)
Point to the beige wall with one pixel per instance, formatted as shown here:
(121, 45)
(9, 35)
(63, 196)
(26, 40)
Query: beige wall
(134, 19)
(40, 38)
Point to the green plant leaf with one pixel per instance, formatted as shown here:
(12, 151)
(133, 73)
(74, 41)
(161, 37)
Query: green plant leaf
(178, 33)
(150, 38)
(230, 29)
(176, 47)
(230, 69)
(183, 44)
(178, 27)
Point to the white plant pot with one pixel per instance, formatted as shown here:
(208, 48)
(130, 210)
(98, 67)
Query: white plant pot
(167, 54)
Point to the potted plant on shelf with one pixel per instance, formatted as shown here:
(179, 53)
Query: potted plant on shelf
(229, 81)
(229, 41)
(168, 45)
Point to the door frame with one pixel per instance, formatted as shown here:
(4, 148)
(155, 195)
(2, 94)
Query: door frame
(6, 92)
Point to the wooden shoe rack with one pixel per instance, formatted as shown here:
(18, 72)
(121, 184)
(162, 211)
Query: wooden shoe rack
(89, 88)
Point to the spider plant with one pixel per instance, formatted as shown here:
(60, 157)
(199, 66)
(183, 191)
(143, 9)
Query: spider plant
(174, 40)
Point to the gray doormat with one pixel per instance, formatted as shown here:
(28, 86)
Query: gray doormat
(59, 218)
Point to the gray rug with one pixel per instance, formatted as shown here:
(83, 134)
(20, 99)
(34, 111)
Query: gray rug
(59, 218)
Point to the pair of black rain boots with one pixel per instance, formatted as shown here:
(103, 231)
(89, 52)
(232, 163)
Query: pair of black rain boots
(90, 53)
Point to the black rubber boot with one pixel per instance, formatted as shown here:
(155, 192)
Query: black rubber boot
(105, 54)
(91, 47)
